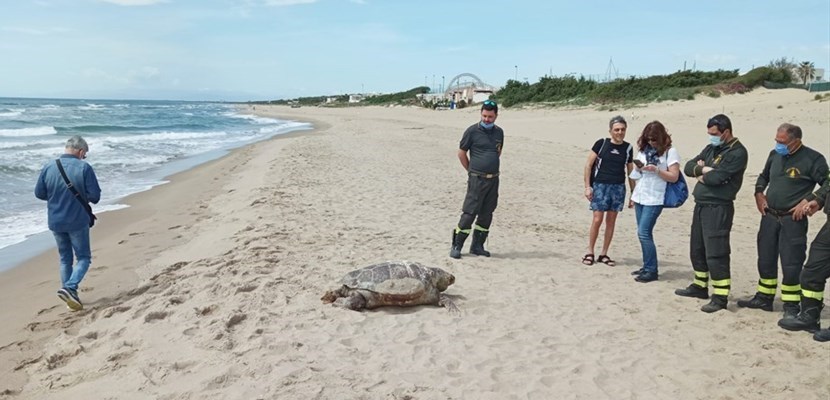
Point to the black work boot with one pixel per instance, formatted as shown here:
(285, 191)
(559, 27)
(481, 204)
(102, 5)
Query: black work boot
(458, 239)
(791, 309)
(759, 301)
(477, 247)
(693, 291)
(717, 303)
(822, 335)
(807, 319)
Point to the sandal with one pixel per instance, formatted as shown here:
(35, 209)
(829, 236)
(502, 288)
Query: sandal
(588, 259)
(606, 260)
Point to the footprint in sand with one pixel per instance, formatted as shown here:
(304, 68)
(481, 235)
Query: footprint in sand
(155, 315)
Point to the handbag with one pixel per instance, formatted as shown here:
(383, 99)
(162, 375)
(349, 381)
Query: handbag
(77, 194)
(676, 193)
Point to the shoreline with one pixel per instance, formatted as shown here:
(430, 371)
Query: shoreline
(17, 254)
(123, 242)
(226, 281)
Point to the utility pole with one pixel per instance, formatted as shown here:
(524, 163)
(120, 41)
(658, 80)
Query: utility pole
(442, 83)
(516, 76)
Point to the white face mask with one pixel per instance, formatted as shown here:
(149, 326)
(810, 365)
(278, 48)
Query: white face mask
(487, 126)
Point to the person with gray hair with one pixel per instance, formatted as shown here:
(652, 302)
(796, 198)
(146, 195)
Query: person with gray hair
(789, 176)
(609, 162)
(68, 185)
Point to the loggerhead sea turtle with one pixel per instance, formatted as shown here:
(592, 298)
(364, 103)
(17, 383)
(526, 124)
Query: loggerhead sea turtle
(392, 283)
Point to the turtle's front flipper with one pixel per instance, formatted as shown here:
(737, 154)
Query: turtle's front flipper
(332, 295)
(446, 302)
(355, 301)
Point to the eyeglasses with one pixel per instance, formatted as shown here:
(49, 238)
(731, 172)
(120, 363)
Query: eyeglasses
(489, 103)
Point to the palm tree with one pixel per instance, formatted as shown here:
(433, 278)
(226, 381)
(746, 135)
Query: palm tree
(806, 70)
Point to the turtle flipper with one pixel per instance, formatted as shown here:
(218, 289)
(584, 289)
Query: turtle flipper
(332, 295)
(355, 301)
(446, 302)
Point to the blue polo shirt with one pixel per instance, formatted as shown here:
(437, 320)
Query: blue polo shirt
(65, 213)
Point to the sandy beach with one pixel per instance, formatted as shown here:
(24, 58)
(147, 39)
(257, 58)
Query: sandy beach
(209, 287)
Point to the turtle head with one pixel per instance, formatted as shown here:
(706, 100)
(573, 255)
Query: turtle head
(442, 279)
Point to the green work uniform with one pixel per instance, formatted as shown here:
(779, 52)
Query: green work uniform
(787, 181)
(714, 210)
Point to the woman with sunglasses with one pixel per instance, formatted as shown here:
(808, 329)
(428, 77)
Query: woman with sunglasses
(604, 176)
(657, 163)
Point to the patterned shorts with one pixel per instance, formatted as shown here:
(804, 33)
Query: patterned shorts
(608, 197)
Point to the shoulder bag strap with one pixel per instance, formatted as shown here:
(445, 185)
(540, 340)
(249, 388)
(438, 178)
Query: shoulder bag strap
(72, 188)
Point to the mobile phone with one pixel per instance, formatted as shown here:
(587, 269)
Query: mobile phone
(638, 163)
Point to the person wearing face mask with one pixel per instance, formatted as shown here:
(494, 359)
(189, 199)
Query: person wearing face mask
(657, 164)
(790, 174)
(815, 273)
(719, 171)
(483, 141)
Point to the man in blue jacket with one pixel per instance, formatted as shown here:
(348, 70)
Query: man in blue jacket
(68, 217)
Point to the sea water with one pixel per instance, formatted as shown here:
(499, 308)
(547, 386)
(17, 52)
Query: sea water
(133, 145)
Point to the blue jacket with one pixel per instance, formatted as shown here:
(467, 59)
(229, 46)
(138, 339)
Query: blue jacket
(65, 213)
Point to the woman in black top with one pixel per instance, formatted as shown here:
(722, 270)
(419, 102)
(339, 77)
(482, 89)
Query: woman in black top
(609, 163)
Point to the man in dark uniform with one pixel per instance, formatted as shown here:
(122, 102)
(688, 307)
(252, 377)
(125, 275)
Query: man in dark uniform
(483, 141)
(790, 174)
(815, 273)
(719, 170)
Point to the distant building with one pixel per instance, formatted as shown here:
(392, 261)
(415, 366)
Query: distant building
(356, 98)
(818, 76)
(468, 88)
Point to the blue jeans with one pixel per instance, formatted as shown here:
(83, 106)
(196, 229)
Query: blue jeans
(72, 245)
(646, 219)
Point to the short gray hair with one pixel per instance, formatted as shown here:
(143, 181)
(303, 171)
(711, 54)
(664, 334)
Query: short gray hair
(793, 131)
(77, 143)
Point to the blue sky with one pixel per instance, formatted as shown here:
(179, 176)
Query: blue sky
(269, 49)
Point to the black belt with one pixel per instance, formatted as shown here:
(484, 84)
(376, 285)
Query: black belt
(485, 176)
(777, 213)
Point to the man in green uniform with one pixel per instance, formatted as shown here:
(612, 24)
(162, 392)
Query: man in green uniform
(719, 170)
(483, 141)
(790, 174)
(815, 273)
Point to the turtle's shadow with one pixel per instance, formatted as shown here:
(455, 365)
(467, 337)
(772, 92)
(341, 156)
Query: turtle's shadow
(412, 310)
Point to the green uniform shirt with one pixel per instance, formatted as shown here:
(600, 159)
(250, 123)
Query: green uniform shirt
(722, 183)
(822, 195)
(791, 178)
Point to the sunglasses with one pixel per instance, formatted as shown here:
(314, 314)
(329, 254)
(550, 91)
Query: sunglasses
(651, 139)
(489, 103)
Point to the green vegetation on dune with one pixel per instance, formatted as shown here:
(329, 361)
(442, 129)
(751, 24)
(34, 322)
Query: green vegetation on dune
(579, 91)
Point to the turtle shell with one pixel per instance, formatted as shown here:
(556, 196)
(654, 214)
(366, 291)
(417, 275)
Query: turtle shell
(391, 277)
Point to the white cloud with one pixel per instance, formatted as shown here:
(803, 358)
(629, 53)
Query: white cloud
(282, 3)
(33, 31)
(135, 2)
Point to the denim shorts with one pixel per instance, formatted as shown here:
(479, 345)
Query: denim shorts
(608, 197)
